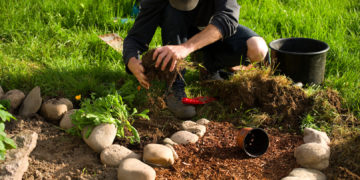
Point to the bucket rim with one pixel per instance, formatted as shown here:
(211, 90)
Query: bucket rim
(271, 45)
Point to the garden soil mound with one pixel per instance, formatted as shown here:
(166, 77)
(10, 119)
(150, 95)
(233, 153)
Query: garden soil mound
(259, 89)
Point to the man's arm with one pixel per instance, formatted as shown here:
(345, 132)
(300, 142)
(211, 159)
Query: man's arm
(177, 52)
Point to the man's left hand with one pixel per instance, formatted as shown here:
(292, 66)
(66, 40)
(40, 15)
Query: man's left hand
(170, 52)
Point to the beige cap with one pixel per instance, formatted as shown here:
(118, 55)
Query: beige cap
(184, 5)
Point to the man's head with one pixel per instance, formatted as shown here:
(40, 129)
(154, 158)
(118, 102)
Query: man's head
(184, 5)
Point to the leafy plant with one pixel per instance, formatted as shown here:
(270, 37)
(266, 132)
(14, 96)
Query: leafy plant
(5, 142)
(109, 109)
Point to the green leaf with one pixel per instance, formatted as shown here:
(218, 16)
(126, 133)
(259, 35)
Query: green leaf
(2, 126)
(10, 144)
(2, 146)
(2, 155)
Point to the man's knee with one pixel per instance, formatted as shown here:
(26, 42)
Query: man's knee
(257, 49)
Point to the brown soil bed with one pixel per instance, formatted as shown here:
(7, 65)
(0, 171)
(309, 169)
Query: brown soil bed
(217, 156)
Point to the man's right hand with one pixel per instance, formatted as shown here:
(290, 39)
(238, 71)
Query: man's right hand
(138, 70)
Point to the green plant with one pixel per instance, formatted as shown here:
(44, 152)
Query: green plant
(5, 142)
(109, 109)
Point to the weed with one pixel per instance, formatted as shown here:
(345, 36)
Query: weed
(5, 142)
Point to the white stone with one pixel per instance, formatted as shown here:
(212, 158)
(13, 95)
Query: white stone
(158, 155)
(184, 137)
(299, 84)
(176, 156)
(16, 160)
(292, 178)
(203, 121)
(313, 155)
(65, 121)
(310, 174)
(67, 102)
(53, 110)
(114, 154)
(16, 97)
(101, 136)
(315, 136)
(32, 103)
(134, 169)
(193, 127)
(169, 141)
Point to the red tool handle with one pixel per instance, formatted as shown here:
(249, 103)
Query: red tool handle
(197, 100)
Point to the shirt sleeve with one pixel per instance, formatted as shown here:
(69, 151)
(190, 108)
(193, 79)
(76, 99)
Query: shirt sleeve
(226, 17)
(140, 35)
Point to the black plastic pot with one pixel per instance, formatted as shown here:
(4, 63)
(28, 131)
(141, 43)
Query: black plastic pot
(301, 59)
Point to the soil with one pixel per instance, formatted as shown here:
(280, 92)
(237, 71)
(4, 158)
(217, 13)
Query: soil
(273, 95)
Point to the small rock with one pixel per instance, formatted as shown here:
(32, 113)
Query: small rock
(184, 137)
(32, 103)
(101, 136)
(131, 168)
(313, 155)
(114, 154)
(66, 122)
(158, 155)
(315, 136)
(176, 156)
(203, 121)
(1, 92)
(193, 127)
(53, 110)
(169, 141)
(16, 97)
(299, 84)
(16, 160)
(309, 174)
(291, 178)
(67, 102)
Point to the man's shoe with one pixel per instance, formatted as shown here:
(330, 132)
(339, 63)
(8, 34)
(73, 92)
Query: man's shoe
(180, 110)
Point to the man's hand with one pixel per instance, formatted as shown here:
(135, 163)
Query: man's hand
(138, 70)
(171, 52)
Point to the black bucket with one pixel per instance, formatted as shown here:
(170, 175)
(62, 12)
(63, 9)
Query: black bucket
(254, 141)
(301, 59)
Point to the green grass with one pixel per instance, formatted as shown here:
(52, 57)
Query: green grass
(54, 44)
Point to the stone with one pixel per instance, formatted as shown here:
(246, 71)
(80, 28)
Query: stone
(169, 141)
(176, 156)
(131, 168)
(315, 136)
(158, 155)
(101, 136)
(15, 97)
(67, 102)
(114, 154)
(16, 162)
(65, 121)
(193, 127)
(184, 137)
(32, 103)
(202, 121)
(1, 92)
(53, 110)
(310, 174)
(291, 178)
(313, 155)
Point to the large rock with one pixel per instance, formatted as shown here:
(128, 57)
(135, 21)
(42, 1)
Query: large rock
(15, 97)
(101, 136)
(309, 174)
(203, 121)
(176, 156)
(114, 154)
(158, 155)
(169, 141)
(313, 155)
(131, 169)
(32, 103)
(16, 162)
(65, 121)
(193, 127)
(1, 92)
(315, 136)
(184, 137)
(67, 102)
(54, 109)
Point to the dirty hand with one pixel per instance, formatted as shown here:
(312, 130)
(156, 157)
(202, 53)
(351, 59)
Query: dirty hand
(170, 52)
(138, 70)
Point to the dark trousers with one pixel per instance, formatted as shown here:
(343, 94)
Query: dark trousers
(176, 28)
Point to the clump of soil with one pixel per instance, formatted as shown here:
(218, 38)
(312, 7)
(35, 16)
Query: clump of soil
(153, 73)
(217, 156)
(259, 89)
